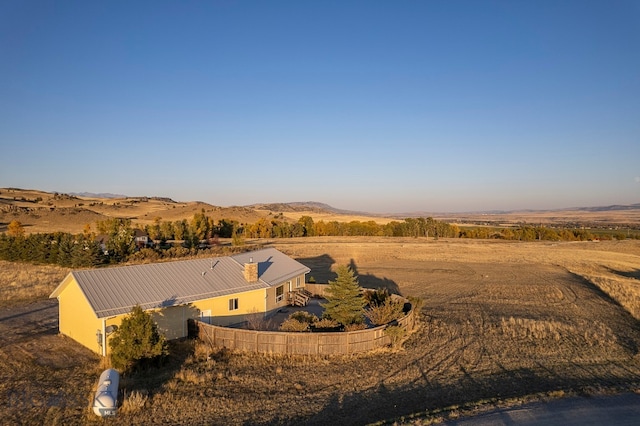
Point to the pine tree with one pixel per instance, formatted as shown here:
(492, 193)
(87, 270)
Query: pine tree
(345, 303)
(86, 252)
(136, 341)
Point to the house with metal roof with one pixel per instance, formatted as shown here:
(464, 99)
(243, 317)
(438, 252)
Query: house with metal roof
(221, 291)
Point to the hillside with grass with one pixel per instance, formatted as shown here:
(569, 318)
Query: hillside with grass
(40, 211)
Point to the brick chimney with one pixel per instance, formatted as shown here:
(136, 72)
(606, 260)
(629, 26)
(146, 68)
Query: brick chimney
(251, 271)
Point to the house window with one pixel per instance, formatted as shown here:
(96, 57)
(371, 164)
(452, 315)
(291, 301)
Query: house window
(233, 304)
(298, 282)
(279, 293)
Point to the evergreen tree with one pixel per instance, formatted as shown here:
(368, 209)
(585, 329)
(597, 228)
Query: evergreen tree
(137, 341)
(226, 228)
(86, 252)
(65, 250)
(345, 303)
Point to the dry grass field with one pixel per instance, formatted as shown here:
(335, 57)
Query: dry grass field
(601, 217)
(330, 217)
(503, 323)
(22, 283)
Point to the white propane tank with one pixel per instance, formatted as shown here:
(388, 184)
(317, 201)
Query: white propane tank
(106, 400)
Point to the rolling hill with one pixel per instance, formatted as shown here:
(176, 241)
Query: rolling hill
(41, 211)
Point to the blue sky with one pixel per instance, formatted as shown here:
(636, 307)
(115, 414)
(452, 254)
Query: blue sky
(381, 106)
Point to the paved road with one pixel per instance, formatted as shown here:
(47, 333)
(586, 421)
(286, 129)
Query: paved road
(623, 410)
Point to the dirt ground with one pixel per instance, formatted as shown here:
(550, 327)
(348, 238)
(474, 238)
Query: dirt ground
(44, 377)
(503, 323)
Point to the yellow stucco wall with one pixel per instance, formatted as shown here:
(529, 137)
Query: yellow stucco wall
(293, 284)
(77, 319)
(249, 302)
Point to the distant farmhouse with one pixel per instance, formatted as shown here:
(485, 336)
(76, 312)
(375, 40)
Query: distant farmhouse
(140, 238)
(221, 291)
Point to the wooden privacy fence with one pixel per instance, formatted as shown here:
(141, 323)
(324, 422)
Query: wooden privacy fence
(316, 289)
(305, 343)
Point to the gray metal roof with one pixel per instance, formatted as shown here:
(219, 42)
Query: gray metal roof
(274, 267)
(114, 291)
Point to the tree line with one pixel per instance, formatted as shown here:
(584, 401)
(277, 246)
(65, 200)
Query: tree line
(58, 248)
(114, 242)
(203, 227)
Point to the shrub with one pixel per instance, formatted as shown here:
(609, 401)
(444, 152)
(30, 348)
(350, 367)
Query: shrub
(326, 324)
(136, 341)
(303, 316)
(376, 297)
(186, 375)
(386, 312)
(416, 303)
(291, 324)
(355, 327)
(396, 334)
(145, 254)
(298, 321)
(134, 402)
(237, 239)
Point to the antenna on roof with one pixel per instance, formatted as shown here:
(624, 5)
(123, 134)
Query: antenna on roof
(204, 273)
(214, 264)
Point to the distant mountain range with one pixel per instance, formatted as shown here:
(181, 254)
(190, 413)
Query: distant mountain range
(615, 207)
(318, 207)
(610, 208)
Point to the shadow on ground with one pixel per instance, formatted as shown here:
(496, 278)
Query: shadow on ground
(153, 376)
(373, 282)
(388, 404)
(619, 328)
(627, 274)
(321, 271)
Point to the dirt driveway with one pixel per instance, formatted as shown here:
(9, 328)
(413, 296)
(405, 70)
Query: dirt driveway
(37, 364)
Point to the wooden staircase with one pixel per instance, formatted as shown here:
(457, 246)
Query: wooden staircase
(299, 297)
